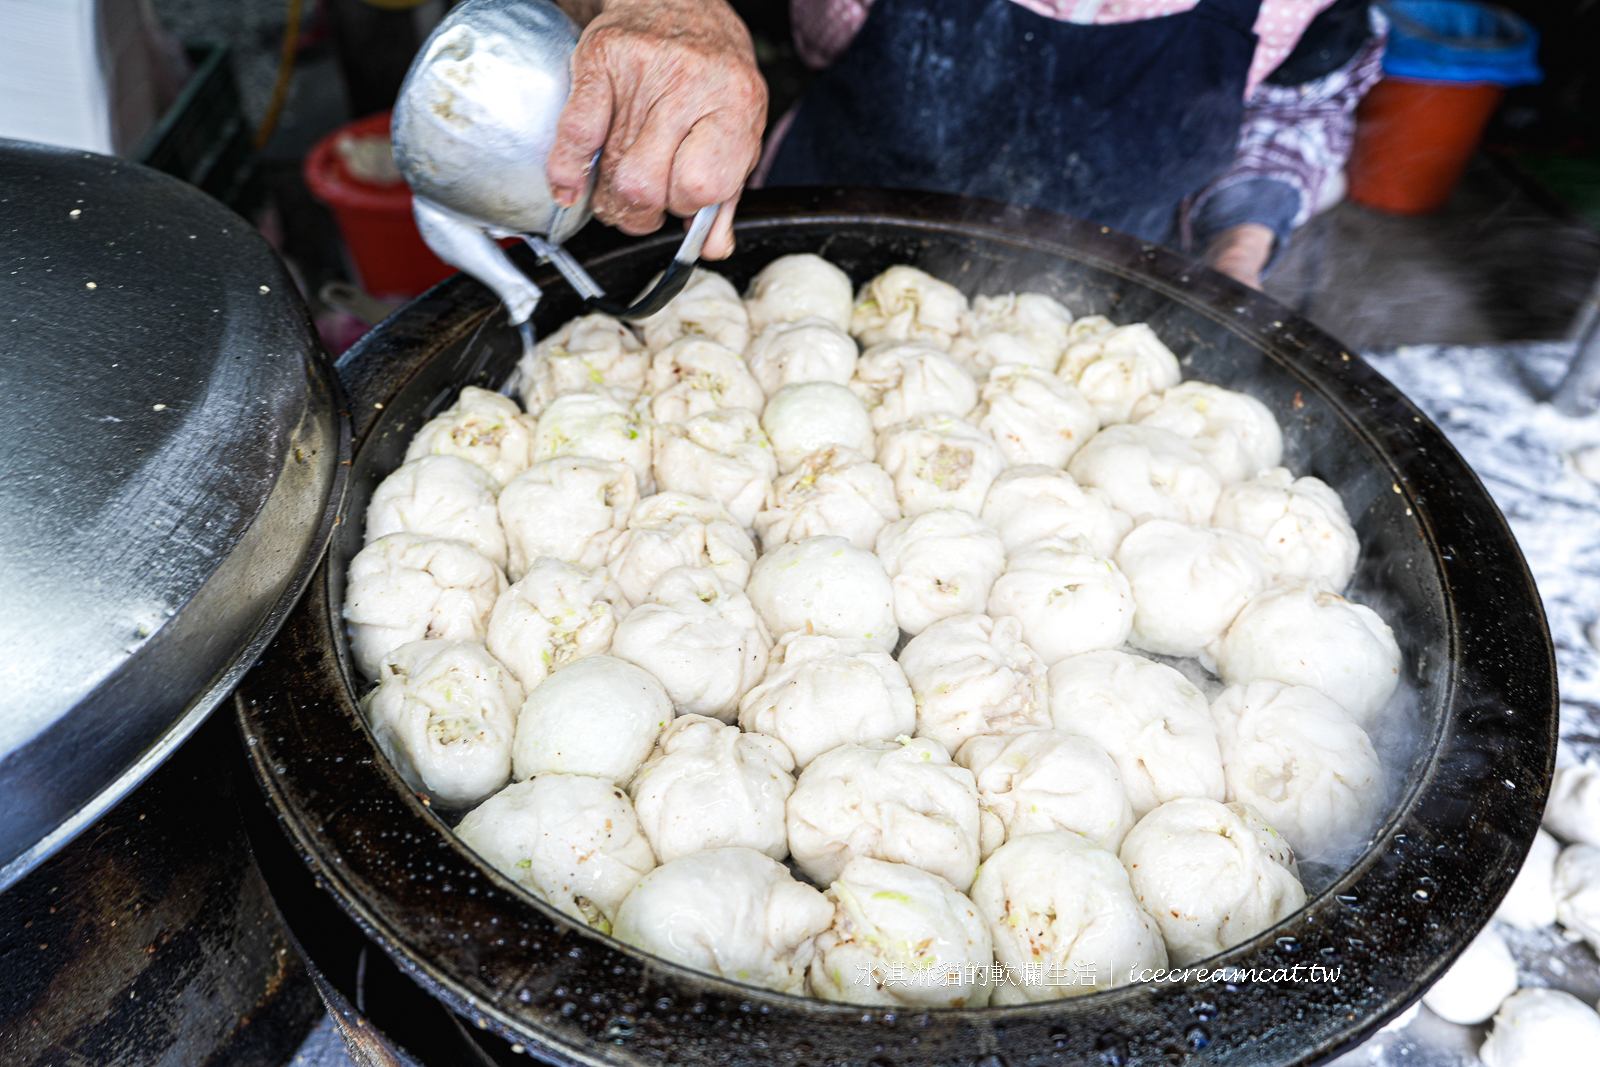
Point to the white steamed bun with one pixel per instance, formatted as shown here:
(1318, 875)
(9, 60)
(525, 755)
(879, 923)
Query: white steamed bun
(1034, 416)
(906, 304)
(700, 637)
(590, 354)
(938, 461)
(1301, 761)
(1117, 367)
(730, 912)
(902, 380)
(808, 350)
(1539, 1027)
(825, 585)
(1235, 432)
(1576, 887)
(597, 426)
(821, 692)
(709, 306)
(1154, 724)
(1018, 328)
(708, 785)
(1573, 811)
(940, 563)
(1148, 473)
(901, 937)
(1029, 503)
(1531, 903)
(1039, 781)
(1301, 522)
(1303, 635)
(1060, 907)
(971, 675)
(444, 713)
(1481, 978)
(404, 588)
(573, 508)
(1068, 601)
(553, 615)
(1212, 875)
(571, 840)
(721, 456)
(483, 428)
(796, 287)
(1188, 583)
(598, 716)
(899, 801)
(670, 530)
(806, 417)
(834, 492)
(693, 375)
(440, 496)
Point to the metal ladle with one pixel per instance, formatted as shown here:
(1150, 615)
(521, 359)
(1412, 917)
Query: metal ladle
(472, 130)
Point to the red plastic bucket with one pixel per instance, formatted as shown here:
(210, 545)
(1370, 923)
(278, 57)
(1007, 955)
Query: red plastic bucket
(1413, 140)
(385, 248)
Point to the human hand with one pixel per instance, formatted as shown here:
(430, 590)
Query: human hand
(671, 90)
(1241, 252)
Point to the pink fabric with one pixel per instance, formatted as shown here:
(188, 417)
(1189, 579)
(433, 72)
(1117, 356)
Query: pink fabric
(823, 29)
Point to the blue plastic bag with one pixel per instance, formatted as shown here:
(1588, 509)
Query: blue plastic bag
(1460, 41)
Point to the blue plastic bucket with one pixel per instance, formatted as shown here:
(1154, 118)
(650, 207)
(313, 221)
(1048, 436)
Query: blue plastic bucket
(1460, 41)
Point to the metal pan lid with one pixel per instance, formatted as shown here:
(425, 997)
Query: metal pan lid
(172, 473)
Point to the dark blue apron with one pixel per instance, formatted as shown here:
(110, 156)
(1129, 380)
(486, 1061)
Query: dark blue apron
(1114, 123)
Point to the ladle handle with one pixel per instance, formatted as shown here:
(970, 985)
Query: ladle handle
(672, 280)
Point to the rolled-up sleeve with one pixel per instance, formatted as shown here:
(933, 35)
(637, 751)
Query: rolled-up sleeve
(1292, 151)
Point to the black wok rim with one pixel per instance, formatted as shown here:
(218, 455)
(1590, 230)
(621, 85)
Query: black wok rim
(514, 966)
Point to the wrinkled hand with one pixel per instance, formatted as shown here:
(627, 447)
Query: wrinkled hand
(1241, 252)
(671, 90)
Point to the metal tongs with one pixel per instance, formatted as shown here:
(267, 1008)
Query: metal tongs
(472, 131)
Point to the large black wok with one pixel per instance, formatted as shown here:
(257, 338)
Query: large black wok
(1470, 750)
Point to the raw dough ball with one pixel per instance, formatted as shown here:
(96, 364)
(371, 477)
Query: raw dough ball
(1573, 812)
(1298, 758)
(678, 530)
(809, 416)
(1117, 368)
(1301, 523)
(1531, 902)
(444, 713)
(701, 639)
(1068, 601)
(1576, 887)
(1481, 978)
(938, 461)
(825, 585)
(898, 382)
(573, 508)
(973, 675)
(901, 937)
(1028, 504)
(1061, 906)
(709, 306)
(906, 304)
(810, 350)
(597, 426)
(1034, 416)
(710, 786)
(822, 692)
(1540, 1027)
(1188, 583)
(729, 912)
(483, 428)
(589, 354)
(904, 802)
(1040, 781)
(570, 840)
(1303, 635)
(692, 376)
(834, 492)
(940, 563)
(440, 496)
(792, 288)
(555, 614)
(1212, 875)
(598, 716)
(404, 588)
(1026, 328)
(721, 456)
(1148, 473)
(1153, 723)
(1236, 433)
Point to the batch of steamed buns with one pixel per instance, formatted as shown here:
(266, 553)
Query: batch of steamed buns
(805, 639)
